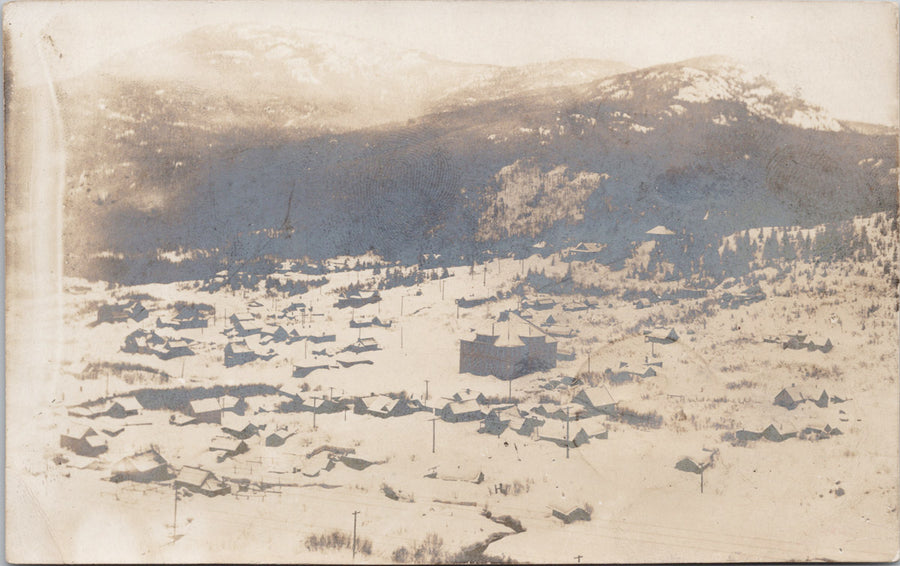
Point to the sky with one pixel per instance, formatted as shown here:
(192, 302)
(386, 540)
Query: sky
(842, 56)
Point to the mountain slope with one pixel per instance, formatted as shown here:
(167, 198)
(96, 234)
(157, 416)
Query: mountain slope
(603, 160)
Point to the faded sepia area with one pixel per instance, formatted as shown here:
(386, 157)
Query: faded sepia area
(451, 282)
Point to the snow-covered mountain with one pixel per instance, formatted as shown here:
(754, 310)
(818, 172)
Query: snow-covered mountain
(301, 144)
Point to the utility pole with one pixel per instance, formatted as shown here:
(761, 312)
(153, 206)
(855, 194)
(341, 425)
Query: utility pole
(578, 558)
(401, 337)
(175, 516)
(433, 429)
(442, 289)
(401, 305)
(567, 432)
(509, 397)
(314, 411)
(355, 513)
(426, 390)
(331, 393)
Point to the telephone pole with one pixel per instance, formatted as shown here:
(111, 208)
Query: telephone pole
(426, 390)
(175, 516)
(567, 432)
(314, 411)
(433, 434)
(355, 513)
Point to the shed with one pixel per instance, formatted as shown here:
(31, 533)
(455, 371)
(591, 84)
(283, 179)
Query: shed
(597, 399)
(277, 439)
(207, 410)
(661, 336)
(381, 406)
(228, 447)
(124, 407)
(144, 467)
(201, 481)
(363, 345)
(83, 440)
(571, 514)
(237, 353)
(245, 324)
(462, 411)
(693, 465)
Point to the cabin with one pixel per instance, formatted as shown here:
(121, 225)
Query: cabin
(550, 412)
(303, 371)
(275, 333)
(661, 335)
(693, 465)
(201, 481)
(143, 467)
(498, 420)
(539, 304)
(328, 406)
(83, 440)
(245, 433)
(174, 349)
(381, 406)
(142, 342)
(461, 473)
(357, 299)
(462, 411)
(791, 397)
(122, 312)
(237, 353)
(596, 399)
(124, 407)
(468, 394)
(277, 439)
(322, 338)
(228, 447)
(576, 438)
(525, 426)
(189, 316)
(506, 357)
(571, 514)
(363, 345)
(584, 251)
(207, 410)
(245, 324)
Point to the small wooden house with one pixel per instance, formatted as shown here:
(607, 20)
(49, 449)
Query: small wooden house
(571, 514)
(201, 481)
(143, 467)
(207, 410)
(83, 440)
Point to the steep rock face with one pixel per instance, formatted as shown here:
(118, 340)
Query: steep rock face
(269, 146)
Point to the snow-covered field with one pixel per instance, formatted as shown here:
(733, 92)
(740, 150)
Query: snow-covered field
(831, 498)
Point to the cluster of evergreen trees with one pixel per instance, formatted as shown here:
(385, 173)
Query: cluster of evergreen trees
(275, 284)
(683, 256)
